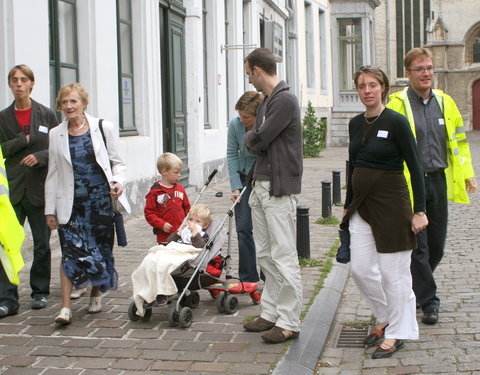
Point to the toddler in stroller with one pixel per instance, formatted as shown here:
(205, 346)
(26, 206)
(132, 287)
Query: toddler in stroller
(153, 283)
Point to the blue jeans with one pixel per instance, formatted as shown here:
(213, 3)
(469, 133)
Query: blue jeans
(40, 271)
(431, 243)
(247, 258)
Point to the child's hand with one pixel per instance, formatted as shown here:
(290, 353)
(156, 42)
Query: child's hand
(167, 227)
(193, 228)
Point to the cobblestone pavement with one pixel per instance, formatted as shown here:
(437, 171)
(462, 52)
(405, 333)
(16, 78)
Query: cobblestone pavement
(109, 343)
(450, 347)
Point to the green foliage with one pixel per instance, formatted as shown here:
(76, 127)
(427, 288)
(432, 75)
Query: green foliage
(309, 262)
(330, 220)
(314, 131)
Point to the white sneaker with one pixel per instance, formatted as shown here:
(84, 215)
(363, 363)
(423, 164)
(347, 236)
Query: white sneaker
(77, 293)
(95, 305)
(65, 316)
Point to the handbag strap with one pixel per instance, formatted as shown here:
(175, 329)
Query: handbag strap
(100, 125)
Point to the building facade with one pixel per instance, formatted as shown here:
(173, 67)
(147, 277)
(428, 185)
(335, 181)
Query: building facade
(166, 72)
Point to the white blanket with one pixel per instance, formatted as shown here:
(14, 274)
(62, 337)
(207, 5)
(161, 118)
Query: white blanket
(152, 277)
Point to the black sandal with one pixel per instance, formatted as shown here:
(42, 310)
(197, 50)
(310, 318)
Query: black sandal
(380, 352)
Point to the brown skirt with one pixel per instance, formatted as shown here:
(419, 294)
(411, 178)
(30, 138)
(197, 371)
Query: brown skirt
(383, 201)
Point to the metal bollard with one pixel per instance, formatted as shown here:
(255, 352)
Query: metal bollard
(303, 232)
(326, 199)
(337, 192)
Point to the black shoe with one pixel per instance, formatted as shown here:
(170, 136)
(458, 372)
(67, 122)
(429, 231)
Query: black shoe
(6, 311)
(430, 316)
(39, 302)
(375, 337)
(380, 353)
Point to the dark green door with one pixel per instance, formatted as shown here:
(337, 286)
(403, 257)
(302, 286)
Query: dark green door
(172, 50)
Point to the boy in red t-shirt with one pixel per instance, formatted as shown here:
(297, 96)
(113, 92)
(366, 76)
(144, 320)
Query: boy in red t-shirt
(166, 203)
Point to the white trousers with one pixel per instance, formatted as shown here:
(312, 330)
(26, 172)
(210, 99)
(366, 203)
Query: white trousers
(384, 280)
(274, 232)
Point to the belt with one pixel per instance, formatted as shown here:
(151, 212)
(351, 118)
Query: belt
(438, 172)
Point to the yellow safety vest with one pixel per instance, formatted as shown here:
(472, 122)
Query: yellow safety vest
(11, 232)
(458, 151)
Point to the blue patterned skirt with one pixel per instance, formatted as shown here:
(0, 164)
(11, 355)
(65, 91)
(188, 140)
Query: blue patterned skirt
(87, 239)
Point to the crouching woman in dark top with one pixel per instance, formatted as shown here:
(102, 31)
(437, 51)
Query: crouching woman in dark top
(379, 212)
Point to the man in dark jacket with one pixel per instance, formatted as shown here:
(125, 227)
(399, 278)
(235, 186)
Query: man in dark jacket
(24, 128)
(276, 140)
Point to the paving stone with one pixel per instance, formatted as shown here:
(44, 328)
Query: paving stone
(403, 370)
(16, 361)
(94, 363)
(171, 365)
(210, 367)
(131, 364)
(249, 368)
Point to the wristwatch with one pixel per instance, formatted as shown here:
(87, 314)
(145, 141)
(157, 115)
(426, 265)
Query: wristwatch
(420, 213)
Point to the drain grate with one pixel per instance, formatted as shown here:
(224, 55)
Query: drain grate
(352, 337)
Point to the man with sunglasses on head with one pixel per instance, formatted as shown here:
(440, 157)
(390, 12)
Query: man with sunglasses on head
(445, 155)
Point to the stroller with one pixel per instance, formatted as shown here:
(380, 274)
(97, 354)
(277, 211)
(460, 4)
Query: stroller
(204, 272)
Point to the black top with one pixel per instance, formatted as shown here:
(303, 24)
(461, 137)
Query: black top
(388, 143)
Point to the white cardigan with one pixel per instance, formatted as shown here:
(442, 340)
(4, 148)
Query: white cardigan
(59, 185)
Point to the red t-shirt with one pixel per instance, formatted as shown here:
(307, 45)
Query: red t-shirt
(23, 117)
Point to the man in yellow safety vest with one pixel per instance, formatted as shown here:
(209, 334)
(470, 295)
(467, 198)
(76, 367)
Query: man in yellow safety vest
(11, 239)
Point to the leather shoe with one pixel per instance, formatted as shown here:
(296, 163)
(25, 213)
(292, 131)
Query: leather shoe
(6, 311)
(386, 352)
(375, 337)
(430, 316)
(39, 302)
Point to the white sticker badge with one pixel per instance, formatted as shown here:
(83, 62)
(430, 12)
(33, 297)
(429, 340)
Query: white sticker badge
(43, 129)
(382, 134)
(441, 121)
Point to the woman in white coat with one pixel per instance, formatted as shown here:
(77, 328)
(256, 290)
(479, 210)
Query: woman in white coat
(85, 172)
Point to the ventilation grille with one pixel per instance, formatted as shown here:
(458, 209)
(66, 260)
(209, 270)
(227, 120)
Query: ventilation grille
(352, 337)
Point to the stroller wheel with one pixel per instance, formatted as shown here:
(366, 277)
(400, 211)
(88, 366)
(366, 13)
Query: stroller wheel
(193, 300)
(173, 317)
(256, 297)
(231, 304)
(132, 312)
(186, 317)
(148, 314)
(220, 301)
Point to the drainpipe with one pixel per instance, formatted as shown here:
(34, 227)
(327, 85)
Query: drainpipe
(292, 47)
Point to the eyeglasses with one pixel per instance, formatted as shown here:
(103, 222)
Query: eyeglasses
(364, 67)
(421, 69)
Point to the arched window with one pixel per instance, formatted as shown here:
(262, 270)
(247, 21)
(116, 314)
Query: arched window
(476, 48)
(472, 45)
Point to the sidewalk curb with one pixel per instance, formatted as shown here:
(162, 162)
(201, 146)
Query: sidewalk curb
(302, 356)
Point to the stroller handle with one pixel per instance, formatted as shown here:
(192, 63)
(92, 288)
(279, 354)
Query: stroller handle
(211, 176)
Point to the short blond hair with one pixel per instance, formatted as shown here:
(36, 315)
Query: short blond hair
(168, 161)
(202, 212)
(249, 102)
(415, 53)
(69, 88)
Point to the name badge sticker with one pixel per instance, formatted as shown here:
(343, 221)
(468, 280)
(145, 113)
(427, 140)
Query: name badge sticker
(382, 134)
(43, 129)
(441, 121)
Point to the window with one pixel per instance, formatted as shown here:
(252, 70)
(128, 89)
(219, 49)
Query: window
(476, 48)
(63, 45)
(323, 49)
(309, 45)
(409, 27)
(206, 112)
(125, 67)
(350, 50)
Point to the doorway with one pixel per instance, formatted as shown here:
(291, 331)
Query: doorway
(476, 105)
(172, 55)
